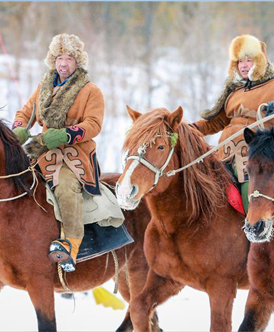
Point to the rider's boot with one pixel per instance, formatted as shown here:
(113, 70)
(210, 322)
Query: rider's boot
(64, 251)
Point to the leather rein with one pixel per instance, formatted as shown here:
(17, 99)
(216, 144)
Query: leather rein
(160, 171)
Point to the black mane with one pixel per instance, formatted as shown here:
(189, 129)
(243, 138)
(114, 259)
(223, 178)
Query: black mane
(262, 145)
(16, 159)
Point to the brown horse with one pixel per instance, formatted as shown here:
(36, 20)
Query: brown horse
(259, 229)
(194, 237)
(26, 232)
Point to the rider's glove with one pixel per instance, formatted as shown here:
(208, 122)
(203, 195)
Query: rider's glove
(55, 137)
(22, 134)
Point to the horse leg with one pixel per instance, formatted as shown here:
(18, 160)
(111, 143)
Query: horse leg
(126, 325)
(132, 279)
(221, 295)
(156, 291)
(42, 296)
(258, 310)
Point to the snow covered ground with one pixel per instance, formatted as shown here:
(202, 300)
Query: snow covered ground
(188, 311)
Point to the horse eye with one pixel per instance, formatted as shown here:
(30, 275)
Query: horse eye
(160, 147)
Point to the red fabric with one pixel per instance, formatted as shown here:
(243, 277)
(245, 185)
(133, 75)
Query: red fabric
(235, 198)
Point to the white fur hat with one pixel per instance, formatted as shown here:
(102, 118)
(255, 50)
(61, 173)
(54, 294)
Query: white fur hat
(67, 44)
(250, 46)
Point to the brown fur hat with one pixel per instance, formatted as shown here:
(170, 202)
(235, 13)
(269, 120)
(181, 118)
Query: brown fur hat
(250, 46)
(67, 44)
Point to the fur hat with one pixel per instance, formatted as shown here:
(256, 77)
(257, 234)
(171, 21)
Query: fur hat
(67, 44)
(250, 46)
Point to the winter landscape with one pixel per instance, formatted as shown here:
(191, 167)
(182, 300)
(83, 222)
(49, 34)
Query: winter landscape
(188, 311)
(147, 55)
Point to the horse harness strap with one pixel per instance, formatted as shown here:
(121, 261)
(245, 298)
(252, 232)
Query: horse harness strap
(141, 159)
(238, 133)
(257, 194)
(21, 195)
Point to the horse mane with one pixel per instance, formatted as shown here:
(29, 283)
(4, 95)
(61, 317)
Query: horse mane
(204, 184)
(16, 159)
(262, 145)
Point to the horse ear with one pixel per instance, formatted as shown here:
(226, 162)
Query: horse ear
(175, 118)
(133, 114)
(249, 135)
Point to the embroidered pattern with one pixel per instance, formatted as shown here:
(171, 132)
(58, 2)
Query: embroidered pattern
(75, 134)
(16, 124)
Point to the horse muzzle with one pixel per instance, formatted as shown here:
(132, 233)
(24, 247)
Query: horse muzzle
(261, 231)
(126, 196)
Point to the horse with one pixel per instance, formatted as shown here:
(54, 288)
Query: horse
(195, 237)
(259, 229)
(26, 231)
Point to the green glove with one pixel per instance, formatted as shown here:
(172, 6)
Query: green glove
(22, 134)
(55, 137)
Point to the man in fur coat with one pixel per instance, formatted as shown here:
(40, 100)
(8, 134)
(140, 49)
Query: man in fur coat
(249, 85)
(70, 110)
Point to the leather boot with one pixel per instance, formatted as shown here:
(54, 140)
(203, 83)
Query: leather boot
(64, 251)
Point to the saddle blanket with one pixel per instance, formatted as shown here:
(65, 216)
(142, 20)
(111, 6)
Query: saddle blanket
(103, 219)
(100, 240)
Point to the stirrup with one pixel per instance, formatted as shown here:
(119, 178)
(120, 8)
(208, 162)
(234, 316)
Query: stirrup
(59, 254)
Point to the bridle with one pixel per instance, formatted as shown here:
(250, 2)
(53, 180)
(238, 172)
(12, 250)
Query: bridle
(158, 172)
(257, 194)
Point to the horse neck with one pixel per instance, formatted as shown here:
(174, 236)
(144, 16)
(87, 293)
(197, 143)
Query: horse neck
(7, 186)
(168, 208)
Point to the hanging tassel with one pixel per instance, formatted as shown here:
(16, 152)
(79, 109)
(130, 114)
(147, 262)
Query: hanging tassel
(103, 296)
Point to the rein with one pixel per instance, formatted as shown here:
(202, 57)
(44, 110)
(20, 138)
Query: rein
(21, 195)
(34, 184)
(159, 171)
(238, 133)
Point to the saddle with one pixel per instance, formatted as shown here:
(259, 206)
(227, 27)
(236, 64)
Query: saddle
(103, 223)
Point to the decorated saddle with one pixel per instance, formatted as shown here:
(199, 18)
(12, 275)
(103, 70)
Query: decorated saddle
(103, 220)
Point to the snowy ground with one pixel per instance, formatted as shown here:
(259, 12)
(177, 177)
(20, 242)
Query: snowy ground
(189, 311)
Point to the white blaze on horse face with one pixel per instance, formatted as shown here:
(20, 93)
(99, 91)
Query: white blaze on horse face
(125, 187)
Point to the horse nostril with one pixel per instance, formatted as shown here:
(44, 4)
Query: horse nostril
(259, 226)
(134, 191)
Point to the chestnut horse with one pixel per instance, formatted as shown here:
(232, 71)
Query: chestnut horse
(259, 229)
(26, 232)
(194, 237)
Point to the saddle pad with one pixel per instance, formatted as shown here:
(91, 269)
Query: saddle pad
(100, 240)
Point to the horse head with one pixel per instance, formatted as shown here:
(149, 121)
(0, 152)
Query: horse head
(259, 221)
(150, 144)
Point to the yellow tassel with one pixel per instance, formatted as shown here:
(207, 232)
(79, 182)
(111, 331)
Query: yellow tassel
(102, 296)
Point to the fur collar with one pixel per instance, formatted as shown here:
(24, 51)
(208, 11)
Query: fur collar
(231, 85)
(53, 111)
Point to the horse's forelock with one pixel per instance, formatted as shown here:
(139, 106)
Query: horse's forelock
(262, 145)
(146, 128)
(205, 182)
